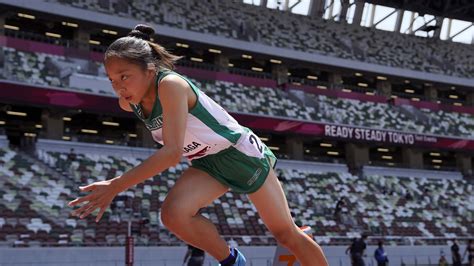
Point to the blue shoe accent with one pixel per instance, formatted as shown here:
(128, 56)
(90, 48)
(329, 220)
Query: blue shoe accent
(240, 260)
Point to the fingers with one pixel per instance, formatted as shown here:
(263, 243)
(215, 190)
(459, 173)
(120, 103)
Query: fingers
(83, 208)
(101, 212)
(90, 187)
(89, 210)
(86, 209)
(99, 198)
(80, 200)
(87, 188)
(90, 207)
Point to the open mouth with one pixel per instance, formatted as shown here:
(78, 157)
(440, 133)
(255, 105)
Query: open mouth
(128, 98)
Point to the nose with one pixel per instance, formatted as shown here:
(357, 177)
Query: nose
(120, 89)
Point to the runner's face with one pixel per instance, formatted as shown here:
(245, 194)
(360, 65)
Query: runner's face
(129, 80)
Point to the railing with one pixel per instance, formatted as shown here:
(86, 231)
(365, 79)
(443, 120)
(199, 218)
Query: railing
(403, 260)
(389, 163)
(315, 83)
(39, 38)
(211, 67)
(341, 260)
(324, 159)
(137, 262)
(309, 82)
(131, 142)
(31, 36)
(452, 101)
(206, 66)
(249, 73)
(408, 95)
(322, 240)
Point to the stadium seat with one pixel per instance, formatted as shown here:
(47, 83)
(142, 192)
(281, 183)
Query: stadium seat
(237, 20)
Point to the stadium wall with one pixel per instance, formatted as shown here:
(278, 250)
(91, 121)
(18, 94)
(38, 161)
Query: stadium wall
(173, 256)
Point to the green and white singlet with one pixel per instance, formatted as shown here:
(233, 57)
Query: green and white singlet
(215, 142)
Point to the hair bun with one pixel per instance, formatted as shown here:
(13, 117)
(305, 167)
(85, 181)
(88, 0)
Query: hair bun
(142, 31)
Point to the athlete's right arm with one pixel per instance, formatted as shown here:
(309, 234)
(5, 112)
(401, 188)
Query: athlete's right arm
(124, 105)
(174, 100)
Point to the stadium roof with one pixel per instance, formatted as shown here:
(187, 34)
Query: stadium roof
(457, 9)
(445, 19)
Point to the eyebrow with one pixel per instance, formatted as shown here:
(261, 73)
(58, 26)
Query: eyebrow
(118, 73)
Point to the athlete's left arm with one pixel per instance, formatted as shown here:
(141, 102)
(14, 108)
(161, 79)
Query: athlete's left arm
(174, 100)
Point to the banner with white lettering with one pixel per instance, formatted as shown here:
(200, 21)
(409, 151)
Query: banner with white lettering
(353, 133)
(365, 134)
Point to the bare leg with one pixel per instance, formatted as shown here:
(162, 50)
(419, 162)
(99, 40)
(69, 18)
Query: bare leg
(272, 207)
(195, 189)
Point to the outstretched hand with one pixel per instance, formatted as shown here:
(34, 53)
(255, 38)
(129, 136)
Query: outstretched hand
(101, 195)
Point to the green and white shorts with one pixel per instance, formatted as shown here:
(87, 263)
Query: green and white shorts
(243, 167)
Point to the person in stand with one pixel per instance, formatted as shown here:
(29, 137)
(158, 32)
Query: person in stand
(442, 260)
(357, 250)
(348, 251)
(455, 253)
(470, 251)
(380, 255)
(337, 211)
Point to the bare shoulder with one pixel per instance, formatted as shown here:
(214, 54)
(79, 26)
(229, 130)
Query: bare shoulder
(174, 87)
(174, 82)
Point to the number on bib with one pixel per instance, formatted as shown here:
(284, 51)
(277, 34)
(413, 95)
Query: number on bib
(256, 141)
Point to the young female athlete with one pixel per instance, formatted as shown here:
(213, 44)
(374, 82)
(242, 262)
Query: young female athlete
(223, 154)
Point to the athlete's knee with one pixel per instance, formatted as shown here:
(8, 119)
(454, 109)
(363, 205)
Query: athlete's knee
(288, 236)
(174, 215)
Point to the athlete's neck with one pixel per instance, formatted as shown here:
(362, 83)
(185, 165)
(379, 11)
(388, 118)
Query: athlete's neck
(148, 100)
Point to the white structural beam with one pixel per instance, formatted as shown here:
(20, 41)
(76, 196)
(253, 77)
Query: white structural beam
(295, 4)
(459, 32)
(424, 24)
(384, 18)
(372, 15)
(410, 26)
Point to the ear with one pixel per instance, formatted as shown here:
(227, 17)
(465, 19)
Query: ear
(151, 66)
(151, 69)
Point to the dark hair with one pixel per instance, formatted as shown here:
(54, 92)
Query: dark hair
(138, 48)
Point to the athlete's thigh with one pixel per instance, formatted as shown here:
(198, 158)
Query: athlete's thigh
(272, 205)
(193, 190)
